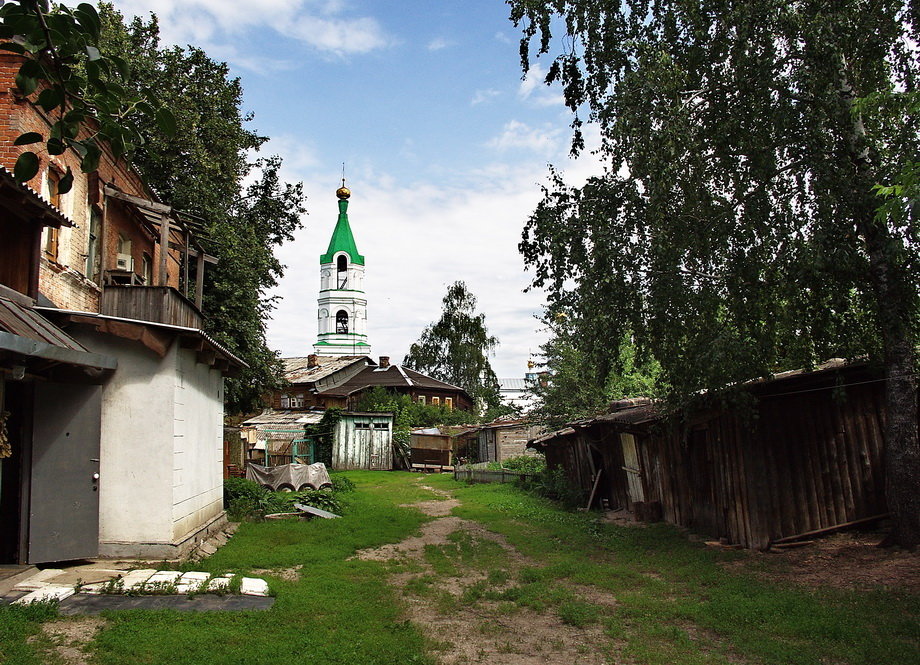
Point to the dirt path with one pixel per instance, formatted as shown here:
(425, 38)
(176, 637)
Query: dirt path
(69, 638)
(452, 576)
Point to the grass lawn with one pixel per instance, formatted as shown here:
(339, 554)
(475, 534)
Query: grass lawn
(673, 601)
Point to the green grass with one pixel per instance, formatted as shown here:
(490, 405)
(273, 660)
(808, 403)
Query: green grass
(18, 625)
(338, 612)
(670, 602)
(674, 602)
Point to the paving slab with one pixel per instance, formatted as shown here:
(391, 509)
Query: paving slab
(136, 578)
(163, 578)
(221, 583)
(46, 593)
(83, 603)
(253, 586)
(38, 580)
(191, 582)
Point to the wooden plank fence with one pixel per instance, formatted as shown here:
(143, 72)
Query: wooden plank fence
(472, 474)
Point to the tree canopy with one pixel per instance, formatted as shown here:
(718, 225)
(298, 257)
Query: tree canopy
(749, 217)
(85, 92)
(201, 171)
(456, 348)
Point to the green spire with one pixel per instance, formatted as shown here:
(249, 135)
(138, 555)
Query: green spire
(342, 239)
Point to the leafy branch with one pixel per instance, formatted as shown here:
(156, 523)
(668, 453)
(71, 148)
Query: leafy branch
(62, 63)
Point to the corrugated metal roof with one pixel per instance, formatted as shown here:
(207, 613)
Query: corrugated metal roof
(50, 213)
(512, 384)
(38, 337)
(298, 370)
(286, 418)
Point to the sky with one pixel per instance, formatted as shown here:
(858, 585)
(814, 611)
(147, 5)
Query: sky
(444, 143)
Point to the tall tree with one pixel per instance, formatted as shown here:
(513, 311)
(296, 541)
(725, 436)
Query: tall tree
(456, 348)
(738, 228)
(83, 92)
(201, 171)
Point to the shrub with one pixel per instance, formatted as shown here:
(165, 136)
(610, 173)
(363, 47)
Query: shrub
(244, 498)
(522, 463)
(341, 483)
(554, 484)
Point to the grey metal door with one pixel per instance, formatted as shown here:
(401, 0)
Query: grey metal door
(64, 496)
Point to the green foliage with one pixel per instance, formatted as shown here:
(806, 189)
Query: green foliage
(735, 244)
(576, 386)
(247, 499)
(554, 485)
(322, 434)
(456, 348)
(91, 98)
(341, 483)
(522, 463)
(201, 171)
(753, 213)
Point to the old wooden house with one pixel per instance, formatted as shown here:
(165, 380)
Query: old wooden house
(502, 439)
(808, 457)
(133, 464)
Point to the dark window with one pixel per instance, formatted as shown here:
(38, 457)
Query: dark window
(92, 247)
(341, 322)
(362, 425)
(380, 425)
(343, 272)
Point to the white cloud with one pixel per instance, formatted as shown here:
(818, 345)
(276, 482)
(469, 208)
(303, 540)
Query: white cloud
(516, 135)
(503, 38)
(419, 237)
(535, 91)
(324, 25)
(439, 43)
(481, 96)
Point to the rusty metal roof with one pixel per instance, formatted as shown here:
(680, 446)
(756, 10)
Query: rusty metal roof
(300, 370)
(31, 202)
(285, 418)
(25, 332)
(394, 376)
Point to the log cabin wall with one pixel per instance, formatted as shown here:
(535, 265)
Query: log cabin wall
(809, 458)
(807, 461)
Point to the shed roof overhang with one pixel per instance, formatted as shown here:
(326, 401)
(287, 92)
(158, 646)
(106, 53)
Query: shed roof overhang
(158, 337)
(27, 204)
(31, 341)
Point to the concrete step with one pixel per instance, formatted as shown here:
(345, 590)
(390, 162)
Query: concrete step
(11, 575)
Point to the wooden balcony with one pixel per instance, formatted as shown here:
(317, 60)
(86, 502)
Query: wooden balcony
(158, 304)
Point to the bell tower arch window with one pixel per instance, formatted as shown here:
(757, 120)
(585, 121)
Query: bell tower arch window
(342, 265)
(341, 322)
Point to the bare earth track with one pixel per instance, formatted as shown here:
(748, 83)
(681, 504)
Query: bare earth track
(461, 631)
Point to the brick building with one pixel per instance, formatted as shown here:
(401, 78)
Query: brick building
(114, 271)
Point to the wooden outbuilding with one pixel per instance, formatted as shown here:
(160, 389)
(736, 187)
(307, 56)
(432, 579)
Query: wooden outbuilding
(806, 457)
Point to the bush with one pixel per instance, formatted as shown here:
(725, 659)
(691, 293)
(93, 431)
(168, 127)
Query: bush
(521, 463)
(554, 484)
(341, 483)
(244, 498)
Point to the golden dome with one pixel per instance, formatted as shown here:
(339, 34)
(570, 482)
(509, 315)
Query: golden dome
(343, 192)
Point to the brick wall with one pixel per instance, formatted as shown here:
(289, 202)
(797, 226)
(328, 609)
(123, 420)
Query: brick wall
(62, 279)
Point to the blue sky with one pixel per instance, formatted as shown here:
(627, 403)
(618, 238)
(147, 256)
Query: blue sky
(444, 144)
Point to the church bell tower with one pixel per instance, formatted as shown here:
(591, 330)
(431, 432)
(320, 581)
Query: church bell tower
(342, 312)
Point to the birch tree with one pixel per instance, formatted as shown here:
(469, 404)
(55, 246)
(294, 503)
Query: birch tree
(758, 207)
